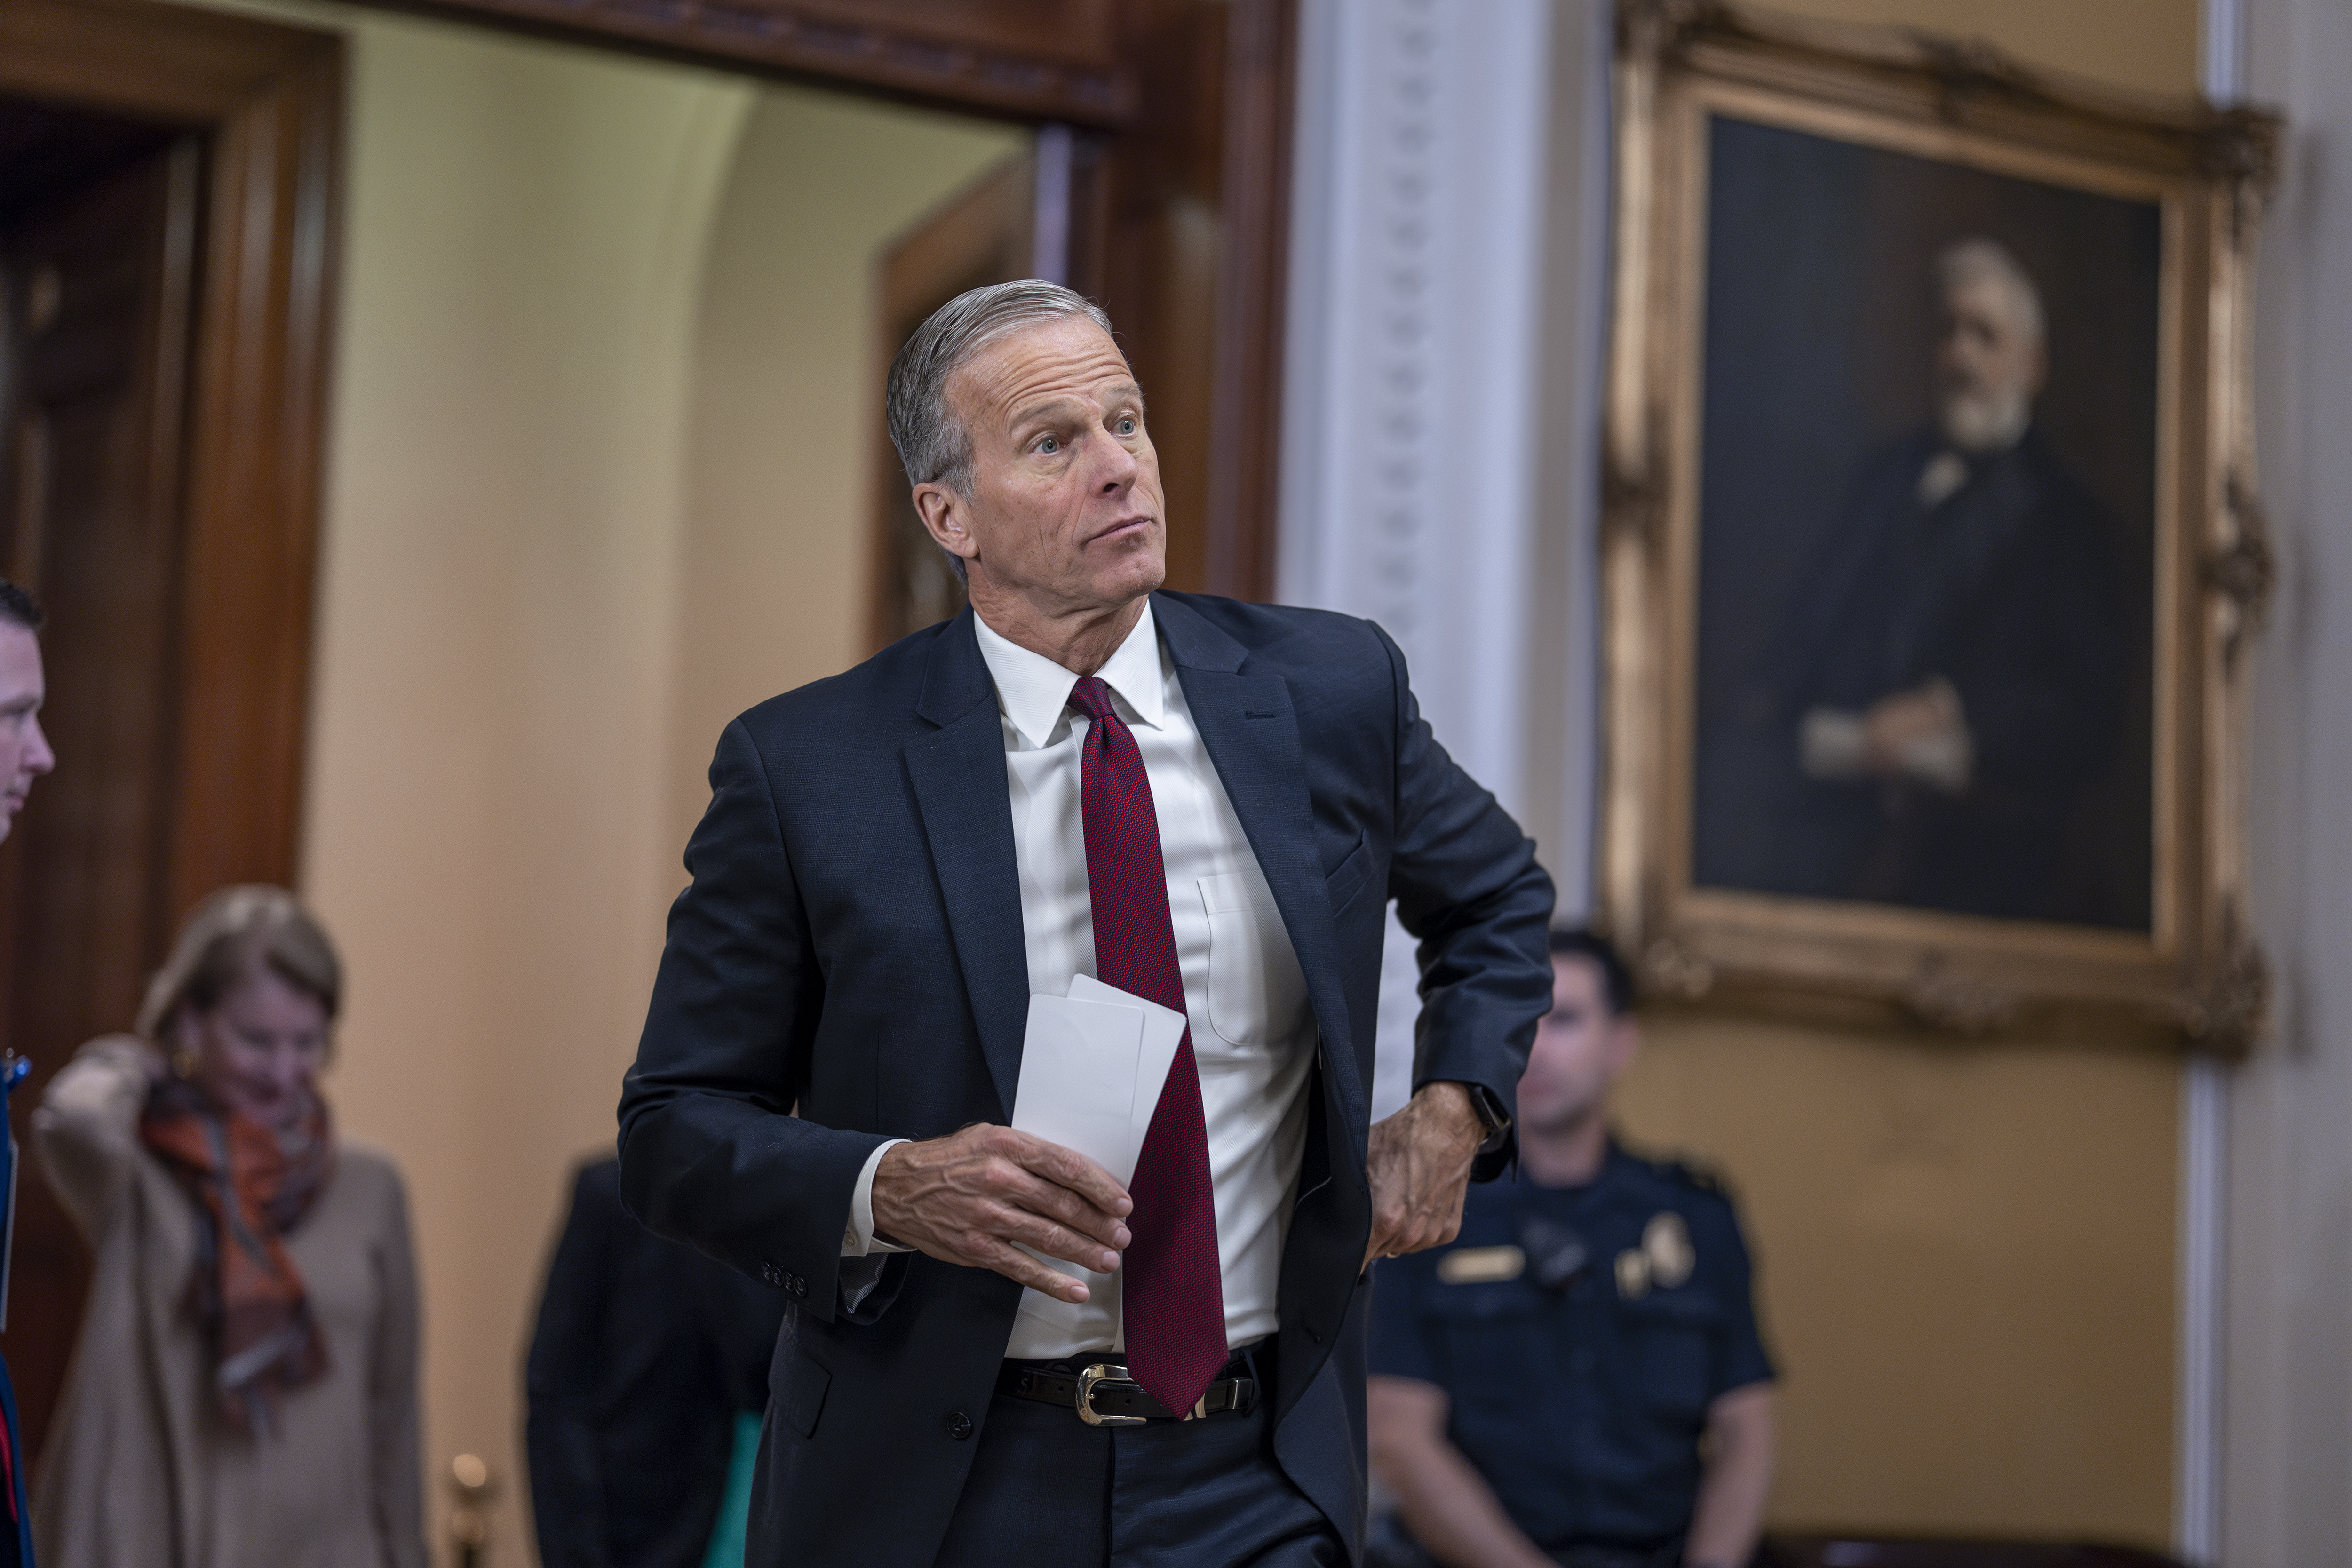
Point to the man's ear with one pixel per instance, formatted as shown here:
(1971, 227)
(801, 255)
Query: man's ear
(945, 514)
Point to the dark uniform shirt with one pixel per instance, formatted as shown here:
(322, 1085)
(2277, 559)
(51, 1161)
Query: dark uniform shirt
(1581, 1334)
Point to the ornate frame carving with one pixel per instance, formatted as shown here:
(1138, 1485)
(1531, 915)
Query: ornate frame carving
(2195, 977)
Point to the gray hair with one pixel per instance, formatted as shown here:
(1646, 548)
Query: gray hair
(1978, 260)
(933, 445)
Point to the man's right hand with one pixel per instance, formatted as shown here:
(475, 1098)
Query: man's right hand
(967, 1197)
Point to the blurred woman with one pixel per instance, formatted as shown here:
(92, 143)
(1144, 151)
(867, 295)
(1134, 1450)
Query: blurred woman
(244, 1388)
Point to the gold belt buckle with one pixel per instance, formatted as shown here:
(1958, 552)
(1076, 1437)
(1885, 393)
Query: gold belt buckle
(1103, 1372)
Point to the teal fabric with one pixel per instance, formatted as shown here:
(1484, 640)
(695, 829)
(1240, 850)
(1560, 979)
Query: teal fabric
(735, 1509)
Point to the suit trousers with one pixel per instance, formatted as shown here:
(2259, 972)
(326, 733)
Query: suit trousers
(1047, 1487)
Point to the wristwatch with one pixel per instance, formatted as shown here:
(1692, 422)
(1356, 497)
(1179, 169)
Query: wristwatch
(1493, 1119)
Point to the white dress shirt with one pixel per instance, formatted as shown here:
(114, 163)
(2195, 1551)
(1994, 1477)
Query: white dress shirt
(1252, 1032)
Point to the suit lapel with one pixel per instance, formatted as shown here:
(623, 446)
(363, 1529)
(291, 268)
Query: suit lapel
(957, 774)
(1251, 730)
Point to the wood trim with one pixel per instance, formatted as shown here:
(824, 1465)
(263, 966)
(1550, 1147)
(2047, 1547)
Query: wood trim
(982, 234)
(1045, 60)
(1242, 517)
(269, 98)
(258, 435)
(176, 63)
(1159, 216)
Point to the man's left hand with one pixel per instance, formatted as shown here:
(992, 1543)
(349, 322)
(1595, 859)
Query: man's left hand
(1419, 1161)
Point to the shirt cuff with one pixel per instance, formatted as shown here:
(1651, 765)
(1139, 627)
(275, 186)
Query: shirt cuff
(857, 1240)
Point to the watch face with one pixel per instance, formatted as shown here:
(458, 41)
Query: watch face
(1490, 1114)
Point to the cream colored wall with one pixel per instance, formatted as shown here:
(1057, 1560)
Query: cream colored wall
(485, 831)
(1965, 1265)
(787, 400)
(1966, 1254)
(597, 464)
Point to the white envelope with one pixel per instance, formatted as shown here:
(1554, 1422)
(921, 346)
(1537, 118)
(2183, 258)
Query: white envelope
(1078, 1065)
(1092, 1061)
(1163, 1031)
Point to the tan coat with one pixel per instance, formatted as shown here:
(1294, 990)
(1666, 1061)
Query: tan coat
(140, 1471)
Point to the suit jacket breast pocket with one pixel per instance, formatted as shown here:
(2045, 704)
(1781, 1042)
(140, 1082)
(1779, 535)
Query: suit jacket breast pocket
(1346, 880)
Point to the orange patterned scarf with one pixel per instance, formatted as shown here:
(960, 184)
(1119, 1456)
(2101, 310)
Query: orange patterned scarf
(253, 1184)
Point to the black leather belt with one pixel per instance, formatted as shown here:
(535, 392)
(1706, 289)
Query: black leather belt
(1102, 1394)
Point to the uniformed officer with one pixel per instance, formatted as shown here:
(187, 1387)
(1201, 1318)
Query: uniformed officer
(1577, 1379)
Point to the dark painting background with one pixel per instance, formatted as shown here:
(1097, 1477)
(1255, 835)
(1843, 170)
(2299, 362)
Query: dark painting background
(1820, 327)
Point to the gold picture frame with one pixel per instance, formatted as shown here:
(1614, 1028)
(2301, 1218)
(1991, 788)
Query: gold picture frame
(1737, 863)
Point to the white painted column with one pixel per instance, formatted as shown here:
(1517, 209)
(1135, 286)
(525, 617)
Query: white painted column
(2204, 1258)
(1411, 417)
(2285, 1457)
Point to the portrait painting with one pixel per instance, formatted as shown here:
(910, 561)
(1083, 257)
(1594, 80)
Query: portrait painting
(1929, 537)
(1926, 534)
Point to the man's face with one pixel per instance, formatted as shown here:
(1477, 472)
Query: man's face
(1066, 509)
(25, 753)
(1988, 365)
(1579, 1051)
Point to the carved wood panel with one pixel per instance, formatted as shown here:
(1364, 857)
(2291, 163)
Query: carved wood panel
(1030, 59)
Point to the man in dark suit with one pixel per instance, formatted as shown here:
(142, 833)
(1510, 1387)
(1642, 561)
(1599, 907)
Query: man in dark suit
(1952, 676)
(1204, 804)
(645, 1361)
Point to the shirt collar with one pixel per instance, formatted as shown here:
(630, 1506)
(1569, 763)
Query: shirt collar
(1033, 690)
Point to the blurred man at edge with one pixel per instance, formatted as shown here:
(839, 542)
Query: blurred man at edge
(24, 755)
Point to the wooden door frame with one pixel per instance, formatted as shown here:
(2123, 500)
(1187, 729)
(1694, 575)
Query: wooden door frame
(1102, 66)
(269, 98)
(1244, 499)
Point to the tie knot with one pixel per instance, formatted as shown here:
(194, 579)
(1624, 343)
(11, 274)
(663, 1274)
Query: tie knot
(1091, 696)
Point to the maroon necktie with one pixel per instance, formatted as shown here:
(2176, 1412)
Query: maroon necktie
(1172, 1293)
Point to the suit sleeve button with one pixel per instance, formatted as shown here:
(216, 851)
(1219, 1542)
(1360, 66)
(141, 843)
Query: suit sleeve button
(959, 1426)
